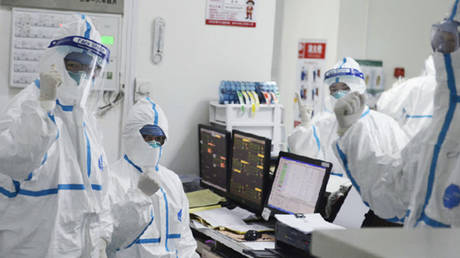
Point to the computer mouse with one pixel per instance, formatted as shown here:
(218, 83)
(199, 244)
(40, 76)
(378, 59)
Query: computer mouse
(252, 235)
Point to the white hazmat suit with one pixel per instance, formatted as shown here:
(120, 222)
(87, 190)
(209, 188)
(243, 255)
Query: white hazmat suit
(53, 168)
(419, 184)
(410, 102)
(317, 138)
(168, 234)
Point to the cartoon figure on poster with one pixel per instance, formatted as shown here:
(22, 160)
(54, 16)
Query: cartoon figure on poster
(240, 13)
(249, 9)
(309, 91)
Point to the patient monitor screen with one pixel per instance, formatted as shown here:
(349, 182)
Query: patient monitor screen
(296, 186)
(248, 168)
(213, 158)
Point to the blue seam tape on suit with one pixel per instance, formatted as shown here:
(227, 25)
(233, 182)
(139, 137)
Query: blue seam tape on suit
(318, 143)
(441, 137)
(45, 192)
(132, 164)
(88, 151)
(167, 218)
(143, 231)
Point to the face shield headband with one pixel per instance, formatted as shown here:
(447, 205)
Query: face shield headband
(86, 44)
(334, 75)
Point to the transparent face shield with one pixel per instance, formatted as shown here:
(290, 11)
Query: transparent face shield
(81, 63)
(444, 37)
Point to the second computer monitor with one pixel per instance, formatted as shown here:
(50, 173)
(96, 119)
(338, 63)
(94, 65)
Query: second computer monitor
(249, 170)
(214, 147)
(299, 184)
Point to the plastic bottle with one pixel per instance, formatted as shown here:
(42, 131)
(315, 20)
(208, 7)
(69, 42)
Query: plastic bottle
(222, 92)
(233, 97)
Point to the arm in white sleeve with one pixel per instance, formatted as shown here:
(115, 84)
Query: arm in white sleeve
(26, 134)
(131, 215)
(370, 151)
(305, 141)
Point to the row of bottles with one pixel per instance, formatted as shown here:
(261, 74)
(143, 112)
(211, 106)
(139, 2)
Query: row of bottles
(241, 92)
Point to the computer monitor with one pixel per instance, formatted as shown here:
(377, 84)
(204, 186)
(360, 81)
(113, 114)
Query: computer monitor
(214, 150)
(299, 184)
(249, 170)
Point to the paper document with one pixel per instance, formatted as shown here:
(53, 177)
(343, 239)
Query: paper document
(260, 245)
(192, 210)
(196, 225)
(242, 213)
(223, 218)
(310, 223)
(203, 198)
(351, 214)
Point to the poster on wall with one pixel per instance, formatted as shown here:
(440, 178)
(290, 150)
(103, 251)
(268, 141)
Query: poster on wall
(240, 13)
(374, 77)
(310, 67)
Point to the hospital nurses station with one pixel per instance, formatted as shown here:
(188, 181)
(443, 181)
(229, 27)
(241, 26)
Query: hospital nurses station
(229, 128)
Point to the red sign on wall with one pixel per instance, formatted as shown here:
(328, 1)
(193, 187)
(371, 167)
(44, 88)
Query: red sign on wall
(312, 50)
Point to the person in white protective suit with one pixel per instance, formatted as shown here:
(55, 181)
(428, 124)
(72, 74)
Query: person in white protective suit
(53, 168)
(419, 184)
(316, 138)
(410, 102)
(168, 233)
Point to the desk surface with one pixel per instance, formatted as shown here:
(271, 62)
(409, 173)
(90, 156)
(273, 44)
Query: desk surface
(388, 242)
(229, 242)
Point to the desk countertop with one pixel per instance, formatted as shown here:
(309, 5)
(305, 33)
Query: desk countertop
(228, 241)
(387, 242)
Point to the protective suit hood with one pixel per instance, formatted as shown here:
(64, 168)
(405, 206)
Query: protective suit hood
(81, 26)
(144, 112)
(349, 72)
(78, 37)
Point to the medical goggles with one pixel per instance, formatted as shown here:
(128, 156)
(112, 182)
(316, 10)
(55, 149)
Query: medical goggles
(444, 36)
(80, 62)
(158, 139)
(153, 133)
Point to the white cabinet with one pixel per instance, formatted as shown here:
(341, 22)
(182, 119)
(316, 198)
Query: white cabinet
(266, 121)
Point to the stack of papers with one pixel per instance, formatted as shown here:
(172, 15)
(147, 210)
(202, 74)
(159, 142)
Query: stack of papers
(203, 199)
(243, 214)
(225, 219)
(310, 223)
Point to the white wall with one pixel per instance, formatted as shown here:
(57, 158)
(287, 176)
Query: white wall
(396, 32)
(110, 126)
(306, 19)
(353, 28)
(197, 57)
